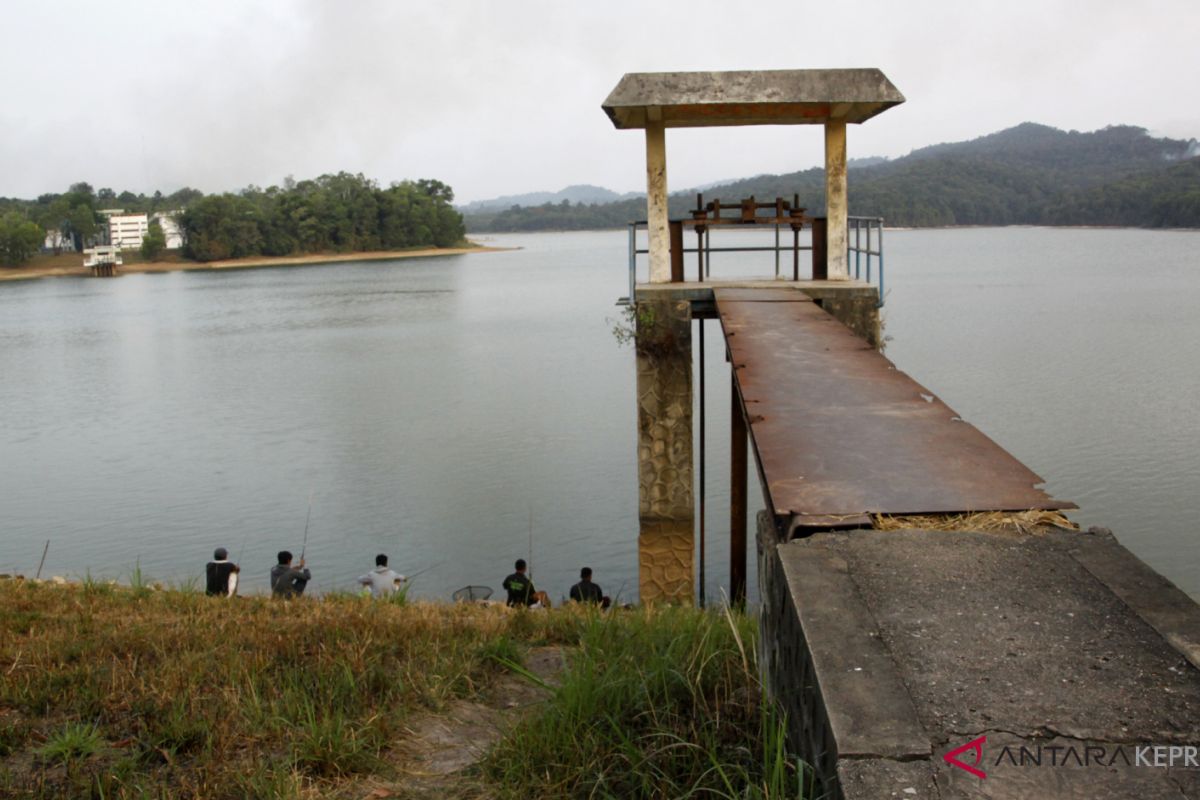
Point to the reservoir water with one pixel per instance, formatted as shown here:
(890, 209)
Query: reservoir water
(460, 412)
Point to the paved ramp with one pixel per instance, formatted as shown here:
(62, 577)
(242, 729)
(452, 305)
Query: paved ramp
(839, 433)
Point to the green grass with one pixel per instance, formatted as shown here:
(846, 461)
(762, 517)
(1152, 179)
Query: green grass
(138, 581)
(75, 741)
(655, 703)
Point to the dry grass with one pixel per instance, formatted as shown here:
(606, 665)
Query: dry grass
(1024, 522)
(177, 694)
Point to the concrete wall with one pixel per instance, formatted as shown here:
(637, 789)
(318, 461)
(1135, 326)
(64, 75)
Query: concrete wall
(892, 652)
(857, 313)
(787, 665)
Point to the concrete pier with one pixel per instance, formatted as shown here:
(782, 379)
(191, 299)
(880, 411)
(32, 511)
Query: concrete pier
(1047, 663)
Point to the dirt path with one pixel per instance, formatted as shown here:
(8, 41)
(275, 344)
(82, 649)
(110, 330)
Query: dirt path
(439, 748)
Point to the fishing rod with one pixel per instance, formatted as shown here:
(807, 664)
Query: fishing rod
(45, 550)
(242, 549)
(423, 571)
(234, 580)
(307, 519)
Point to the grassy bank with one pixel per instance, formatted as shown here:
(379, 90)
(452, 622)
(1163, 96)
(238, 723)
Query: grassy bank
(127, 692)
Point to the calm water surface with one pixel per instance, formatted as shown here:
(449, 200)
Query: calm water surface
(434, 408)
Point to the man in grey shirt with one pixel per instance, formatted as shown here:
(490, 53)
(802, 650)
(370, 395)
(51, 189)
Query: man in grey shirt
(286, 580)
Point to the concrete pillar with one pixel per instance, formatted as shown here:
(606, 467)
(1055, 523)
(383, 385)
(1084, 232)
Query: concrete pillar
(666, 487)
(836, 201)
(656, 198)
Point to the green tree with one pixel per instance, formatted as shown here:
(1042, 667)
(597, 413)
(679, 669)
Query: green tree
(56, 219)
(19, 238)
(82, 192)
(154, 242)
(81, 220)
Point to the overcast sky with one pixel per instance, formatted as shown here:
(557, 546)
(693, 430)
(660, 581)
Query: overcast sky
(503, 96)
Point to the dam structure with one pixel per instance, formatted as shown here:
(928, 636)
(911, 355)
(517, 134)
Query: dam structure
(931, 625)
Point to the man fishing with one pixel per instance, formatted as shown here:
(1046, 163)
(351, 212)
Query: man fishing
(587, 592)
(383, 580)
(288, 581)
(221, 575)
(520, 588)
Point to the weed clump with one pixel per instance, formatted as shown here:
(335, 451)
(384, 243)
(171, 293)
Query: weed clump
(659, 702)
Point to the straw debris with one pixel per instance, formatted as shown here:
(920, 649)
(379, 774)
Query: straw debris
(1026, 523)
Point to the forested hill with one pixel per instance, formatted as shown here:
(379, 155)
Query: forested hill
(1030, 174)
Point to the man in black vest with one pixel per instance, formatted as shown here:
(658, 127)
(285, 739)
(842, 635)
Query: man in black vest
(217, 574)
(587, 592)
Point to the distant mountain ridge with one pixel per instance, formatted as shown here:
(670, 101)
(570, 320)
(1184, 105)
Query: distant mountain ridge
(578, 193)
(1028, 174)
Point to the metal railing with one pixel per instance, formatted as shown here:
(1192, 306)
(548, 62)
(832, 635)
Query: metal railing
(859, 254)
(864, 252)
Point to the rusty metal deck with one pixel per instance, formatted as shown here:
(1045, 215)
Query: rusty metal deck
(839, 433)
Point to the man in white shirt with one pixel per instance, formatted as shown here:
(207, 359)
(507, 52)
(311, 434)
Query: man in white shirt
(382, 580)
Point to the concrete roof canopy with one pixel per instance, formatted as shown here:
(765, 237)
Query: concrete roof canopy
(766, 97)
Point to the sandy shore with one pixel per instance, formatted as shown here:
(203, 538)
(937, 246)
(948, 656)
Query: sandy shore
(72, 265)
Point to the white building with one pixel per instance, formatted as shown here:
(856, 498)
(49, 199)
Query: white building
(125, 231)
(56, 241)
(170, 228)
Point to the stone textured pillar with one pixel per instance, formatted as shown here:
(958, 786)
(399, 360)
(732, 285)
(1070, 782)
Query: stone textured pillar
(656, 202)
(666, 486)
(836, 201)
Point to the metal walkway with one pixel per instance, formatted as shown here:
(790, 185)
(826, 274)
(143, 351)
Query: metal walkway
(840, 434)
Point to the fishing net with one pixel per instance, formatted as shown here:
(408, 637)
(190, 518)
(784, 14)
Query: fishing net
(469, 593)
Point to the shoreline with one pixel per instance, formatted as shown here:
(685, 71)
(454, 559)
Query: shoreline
(30, 272)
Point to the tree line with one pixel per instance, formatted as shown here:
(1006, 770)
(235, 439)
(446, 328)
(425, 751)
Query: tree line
(332, 213)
